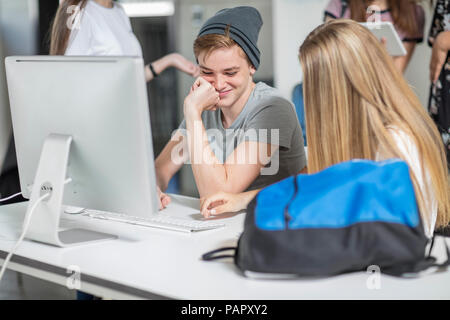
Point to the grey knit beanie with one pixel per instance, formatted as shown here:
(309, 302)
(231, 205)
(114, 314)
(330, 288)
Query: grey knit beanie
(245, 24)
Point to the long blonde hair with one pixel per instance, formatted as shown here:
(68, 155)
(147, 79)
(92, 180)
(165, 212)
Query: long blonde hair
(353, 96)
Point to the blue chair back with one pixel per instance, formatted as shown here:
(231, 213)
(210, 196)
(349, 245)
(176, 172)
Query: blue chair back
(297, 99)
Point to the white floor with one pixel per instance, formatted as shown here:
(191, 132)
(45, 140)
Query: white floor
(16, 286)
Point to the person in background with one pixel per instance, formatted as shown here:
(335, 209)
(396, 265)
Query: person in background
(439, 103)
(407, 16)
(358, 106)
(102, 28)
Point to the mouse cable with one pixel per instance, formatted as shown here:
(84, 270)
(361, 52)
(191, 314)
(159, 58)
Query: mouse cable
(26, 224)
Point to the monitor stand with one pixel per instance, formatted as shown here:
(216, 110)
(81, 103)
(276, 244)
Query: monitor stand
(50, 178)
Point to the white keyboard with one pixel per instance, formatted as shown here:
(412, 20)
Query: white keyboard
(158, 221)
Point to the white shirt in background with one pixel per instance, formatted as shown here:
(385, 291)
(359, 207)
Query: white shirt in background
(103, 32)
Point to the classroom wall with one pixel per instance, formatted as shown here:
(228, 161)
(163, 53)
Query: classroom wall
(292, 22)
(18, 36)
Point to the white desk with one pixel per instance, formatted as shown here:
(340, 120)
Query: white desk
(151, 263)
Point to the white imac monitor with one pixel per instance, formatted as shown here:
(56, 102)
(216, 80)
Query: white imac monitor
(83, 120)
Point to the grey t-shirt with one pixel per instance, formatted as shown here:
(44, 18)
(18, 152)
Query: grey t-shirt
(266, 117)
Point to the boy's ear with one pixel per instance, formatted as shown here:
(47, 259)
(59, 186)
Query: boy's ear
(252, 70)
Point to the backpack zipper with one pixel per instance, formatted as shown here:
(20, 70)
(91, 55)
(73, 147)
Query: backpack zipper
(287, 216)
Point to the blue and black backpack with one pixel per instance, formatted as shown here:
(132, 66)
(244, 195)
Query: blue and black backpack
(346, 218)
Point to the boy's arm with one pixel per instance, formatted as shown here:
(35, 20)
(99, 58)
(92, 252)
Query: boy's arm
(240, 169)
(170, 160)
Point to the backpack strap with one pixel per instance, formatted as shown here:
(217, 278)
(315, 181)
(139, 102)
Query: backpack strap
(412, 270)
(447, 251)
(211, 255)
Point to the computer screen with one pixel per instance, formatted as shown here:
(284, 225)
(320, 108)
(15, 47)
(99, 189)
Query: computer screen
(101, 103)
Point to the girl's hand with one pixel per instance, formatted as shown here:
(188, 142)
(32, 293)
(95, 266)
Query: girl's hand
(223, 202)
(184, 65)
(172, 60)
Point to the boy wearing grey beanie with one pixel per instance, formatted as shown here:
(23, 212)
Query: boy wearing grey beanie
(238, 135)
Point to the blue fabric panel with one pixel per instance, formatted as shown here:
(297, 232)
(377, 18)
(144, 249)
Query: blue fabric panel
(341, 195)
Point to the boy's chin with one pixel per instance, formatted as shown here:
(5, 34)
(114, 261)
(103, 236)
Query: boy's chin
(223, 104)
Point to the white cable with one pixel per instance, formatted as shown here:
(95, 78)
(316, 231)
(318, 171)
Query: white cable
(26, 224)
(10, 197)
(68, 180)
